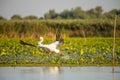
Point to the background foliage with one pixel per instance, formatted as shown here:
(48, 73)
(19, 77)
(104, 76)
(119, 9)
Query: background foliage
(69, 28)
(71, 23)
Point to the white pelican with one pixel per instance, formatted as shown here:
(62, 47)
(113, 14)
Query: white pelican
(47, 47)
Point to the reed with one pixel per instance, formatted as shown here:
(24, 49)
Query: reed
(113, 50)
(70, 28)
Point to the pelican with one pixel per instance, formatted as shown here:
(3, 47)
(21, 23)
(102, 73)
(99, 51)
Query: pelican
(52, 47)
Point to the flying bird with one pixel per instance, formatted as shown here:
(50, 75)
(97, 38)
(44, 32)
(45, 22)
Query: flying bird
(52, 47)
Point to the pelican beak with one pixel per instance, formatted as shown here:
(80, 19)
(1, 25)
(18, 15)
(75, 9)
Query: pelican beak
(61, 41)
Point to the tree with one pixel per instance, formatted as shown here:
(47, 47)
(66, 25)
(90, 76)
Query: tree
(51, 14)
(16, 17)
(99, 11)
(95, 12)
(65, 14)
(91, 13)
(111, 14)
(47, 16)
(115, 12)
(78, 13)
(2, 18)
(31, 17)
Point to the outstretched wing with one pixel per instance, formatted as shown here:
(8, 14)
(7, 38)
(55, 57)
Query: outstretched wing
(24, 43)
(59, 39)
(46, 49)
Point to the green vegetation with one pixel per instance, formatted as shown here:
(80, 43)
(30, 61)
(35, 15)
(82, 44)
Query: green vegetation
(76, 51)
(74, 13)
(79, 13)
(75, 22)
(69, 28)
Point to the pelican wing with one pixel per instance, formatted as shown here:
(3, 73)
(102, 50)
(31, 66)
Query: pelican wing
(46, 49)
(59, 39)
(24, 43)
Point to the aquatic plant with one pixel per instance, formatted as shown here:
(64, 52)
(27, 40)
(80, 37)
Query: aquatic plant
(78, 51)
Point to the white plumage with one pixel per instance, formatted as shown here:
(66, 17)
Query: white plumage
(47, 47)
(50, 47)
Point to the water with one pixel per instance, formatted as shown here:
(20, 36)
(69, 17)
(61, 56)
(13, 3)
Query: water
(59, 73)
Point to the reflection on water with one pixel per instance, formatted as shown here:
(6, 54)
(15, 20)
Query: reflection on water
(113, 76)
(59, 73)
(54, 70)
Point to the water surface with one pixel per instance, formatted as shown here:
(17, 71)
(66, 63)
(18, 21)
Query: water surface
(59, 73)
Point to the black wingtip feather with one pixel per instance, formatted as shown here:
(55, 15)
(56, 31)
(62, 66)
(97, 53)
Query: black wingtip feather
(24, 43)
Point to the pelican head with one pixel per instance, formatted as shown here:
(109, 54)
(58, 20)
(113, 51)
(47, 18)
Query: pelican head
(41, 38)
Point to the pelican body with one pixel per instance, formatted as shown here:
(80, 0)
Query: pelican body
(47, 47)
(50, 47)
